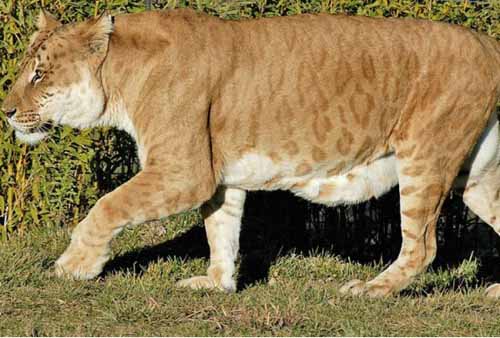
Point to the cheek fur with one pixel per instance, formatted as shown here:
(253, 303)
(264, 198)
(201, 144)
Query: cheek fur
(79, 105)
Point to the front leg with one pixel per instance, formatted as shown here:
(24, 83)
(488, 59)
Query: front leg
(88, 251)
(145, 197)
(222, 216)
(172, 129)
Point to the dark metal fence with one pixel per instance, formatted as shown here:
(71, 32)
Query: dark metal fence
(276, 223)
(365, 232)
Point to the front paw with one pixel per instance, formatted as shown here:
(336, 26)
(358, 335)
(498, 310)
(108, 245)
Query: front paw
(81, 262)
(372, 289)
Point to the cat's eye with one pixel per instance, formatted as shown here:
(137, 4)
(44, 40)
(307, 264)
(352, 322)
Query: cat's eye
(37, 76)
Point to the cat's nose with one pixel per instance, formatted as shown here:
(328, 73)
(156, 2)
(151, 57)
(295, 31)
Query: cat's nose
(9, 112)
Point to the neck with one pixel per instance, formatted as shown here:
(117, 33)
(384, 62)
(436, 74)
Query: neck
(116, 115)
(126, 73)
(118, 80)
(145, 68)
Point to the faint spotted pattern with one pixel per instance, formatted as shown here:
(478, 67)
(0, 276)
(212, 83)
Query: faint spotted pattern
(336, 109)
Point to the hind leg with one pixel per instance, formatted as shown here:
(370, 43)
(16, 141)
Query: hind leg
(482, 191)
(422, 191)
(222, 215)
(426, 171)
(431, 144)
(482, 196)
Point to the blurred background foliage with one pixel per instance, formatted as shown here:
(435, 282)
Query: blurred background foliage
(57, 181)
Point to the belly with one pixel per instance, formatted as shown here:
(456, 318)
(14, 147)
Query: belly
(332, 184)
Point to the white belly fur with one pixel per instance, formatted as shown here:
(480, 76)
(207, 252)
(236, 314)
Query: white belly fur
(257, 172)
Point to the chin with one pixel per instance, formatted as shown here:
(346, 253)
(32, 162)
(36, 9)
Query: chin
(31, 138)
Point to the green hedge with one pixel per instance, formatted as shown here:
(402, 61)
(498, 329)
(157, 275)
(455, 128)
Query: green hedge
(57, 181)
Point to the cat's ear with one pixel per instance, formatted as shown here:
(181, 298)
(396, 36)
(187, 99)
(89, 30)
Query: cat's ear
(46, 22)
(94, 36)
(96, 33)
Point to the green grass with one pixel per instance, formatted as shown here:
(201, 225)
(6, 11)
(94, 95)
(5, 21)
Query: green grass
(136, 294)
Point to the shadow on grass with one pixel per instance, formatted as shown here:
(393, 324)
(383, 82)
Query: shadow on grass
(189, 245)
(276, 224)
(488, 273)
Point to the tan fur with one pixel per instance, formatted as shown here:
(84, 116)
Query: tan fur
(337, 109)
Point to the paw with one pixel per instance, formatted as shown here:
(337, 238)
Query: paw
(205, 282)
(357, 287)
(81, 263)
(493, 291)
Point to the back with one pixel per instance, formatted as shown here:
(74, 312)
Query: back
(330, 90)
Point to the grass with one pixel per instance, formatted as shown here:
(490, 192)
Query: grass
(136, 293)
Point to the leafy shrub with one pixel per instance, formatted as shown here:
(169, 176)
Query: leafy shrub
(57, 181)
